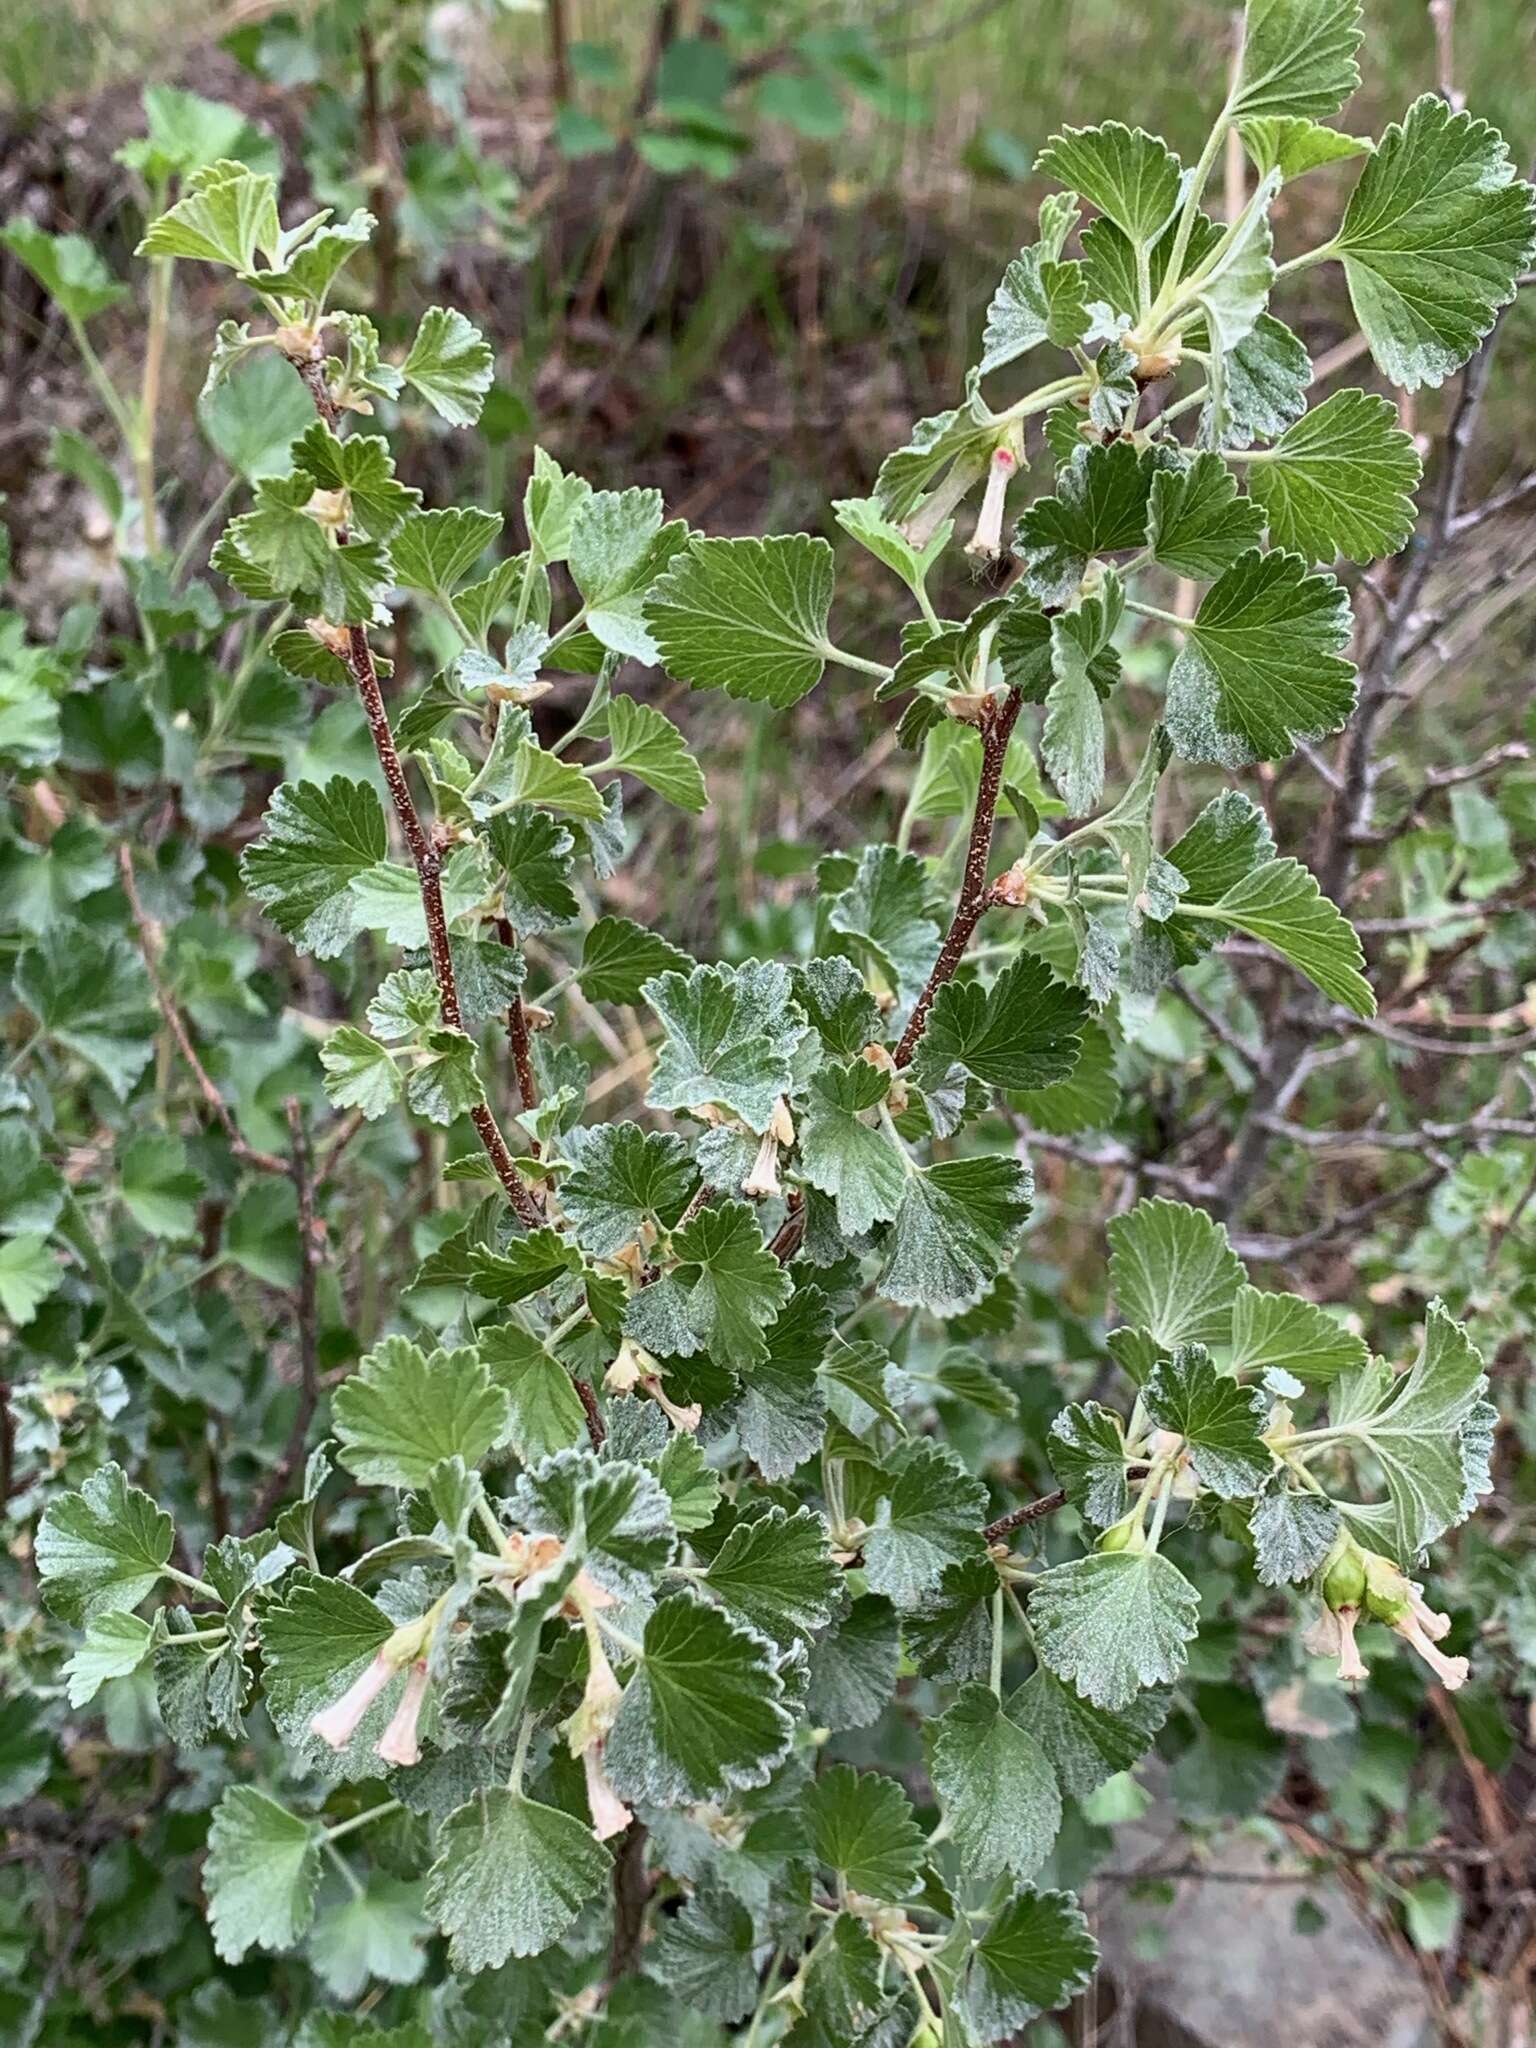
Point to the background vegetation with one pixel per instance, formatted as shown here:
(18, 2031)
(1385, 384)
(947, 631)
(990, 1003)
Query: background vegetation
(731, 250)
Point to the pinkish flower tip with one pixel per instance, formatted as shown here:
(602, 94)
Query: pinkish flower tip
(338, 1723)
(988, 537)
(398, 1743)
(1452, 1672)
(610, 1816)
(1352, 1667)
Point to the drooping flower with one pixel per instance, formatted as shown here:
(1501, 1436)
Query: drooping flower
(398, 1744)
(599, 1703)
(630, 1362)
(921, 525)
(1333, 1635)
(610, 1816)
(987, 540)
(1452, 1672)
(686, 1419)
(763, 1180)
(338, 1723)
(1392, 1597)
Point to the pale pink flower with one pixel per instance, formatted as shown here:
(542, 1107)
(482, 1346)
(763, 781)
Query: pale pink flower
(686, 1419)
(610, 1816)
(920, 526)
(398, 1743)
(628, 1363)
(338, 1723)
(763, 1181)
(1351, 1666)
(1333, 1635)
(1451, 1671)
(1434, 1625)
(599, 1707)
(987, 540)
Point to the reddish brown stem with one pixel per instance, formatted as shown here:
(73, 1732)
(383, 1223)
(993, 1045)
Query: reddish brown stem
(788, 1237)
(518, 1037)
(7, 1444)
(996, 732)
(1032, 1511)
(379, 143)
(559, 50)
(596, 1429)
(425, 856)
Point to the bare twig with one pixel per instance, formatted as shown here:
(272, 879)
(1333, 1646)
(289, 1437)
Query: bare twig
(1438, 1048)
(1473, 771)
(1274, 1249)
(1016, 1518)
(265, 1162)
(1347, 821)
(1513, 495)
(306, 1316)
(559, 49)
(383, 172)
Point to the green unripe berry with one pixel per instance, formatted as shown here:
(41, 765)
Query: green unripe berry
(1344, 1580)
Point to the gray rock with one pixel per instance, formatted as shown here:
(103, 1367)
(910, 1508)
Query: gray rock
(1229, 1968)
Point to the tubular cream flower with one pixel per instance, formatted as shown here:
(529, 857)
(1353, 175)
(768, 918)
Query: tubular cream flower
(338, 1723)
(686, 1419)
(763, 1180)
(1333, 1635)
(1452, 1672)
(328, 508)
(629, 1366)
(987, 540)
(1434, 1625)
(1391, 1596)
(920, 526)
(610, 1816)
(599, 1703)
(398, 1744)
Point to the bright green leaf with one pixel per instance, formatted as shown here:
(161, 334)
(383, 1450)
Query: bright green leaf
(404, 1410)
(746, 616)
